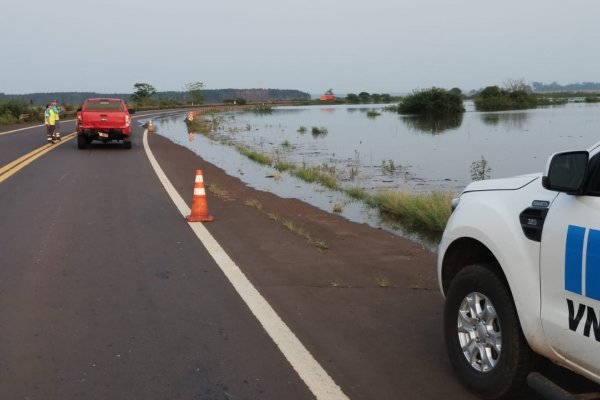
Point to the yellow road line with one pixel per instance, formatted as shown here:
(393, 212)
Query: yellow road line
(15, 166)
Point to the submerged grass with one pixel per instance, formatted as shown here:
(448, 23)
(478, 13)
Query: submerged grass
(426, 212)
(316, 175)
(260, 158)
(356, 193)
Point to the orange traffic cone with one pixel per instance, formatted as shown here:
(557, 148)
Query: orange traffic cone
(199, 206)
(150, 126)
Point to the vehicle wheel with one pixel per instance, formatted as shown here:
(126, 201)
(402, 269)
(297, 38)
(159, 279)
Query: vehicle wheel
(82, 142)
(127, 143)
(483, 335)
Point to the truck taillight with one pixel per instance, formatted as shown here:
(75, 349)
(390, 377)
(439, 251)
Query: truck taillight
(79, 120)
(127, 120)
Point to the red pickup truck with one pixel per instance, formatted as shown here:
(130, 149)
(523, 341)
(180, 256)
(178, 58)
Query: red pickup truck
(104, 120)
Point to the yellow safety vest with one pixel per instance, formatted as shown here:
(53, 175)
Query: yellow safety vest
(50, 116)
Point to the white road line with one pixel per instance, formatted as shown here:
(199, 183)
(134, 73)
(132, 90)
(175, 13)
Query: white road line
(20, 129)
(305, 365)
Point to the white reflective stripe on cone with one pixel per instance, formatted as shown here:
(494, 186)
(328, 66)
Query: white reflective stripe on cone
(199, 192)
(199, 178)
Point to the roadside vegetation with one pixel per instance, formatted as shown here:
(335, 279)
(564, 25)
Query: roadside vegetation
(15, 112)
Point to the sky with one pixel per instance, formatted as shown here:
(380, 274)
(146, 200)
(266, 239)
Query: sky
(377, 46)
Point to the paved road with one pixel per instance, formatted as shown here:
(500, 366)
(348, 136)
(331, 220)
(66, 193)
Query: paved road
(106, 293)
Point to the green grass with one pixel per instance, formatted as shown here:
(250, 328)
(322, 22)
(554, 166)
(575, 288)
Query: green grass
(316, 175)
(256, 156)
(282, 166)
(356, 193)
(424, 212)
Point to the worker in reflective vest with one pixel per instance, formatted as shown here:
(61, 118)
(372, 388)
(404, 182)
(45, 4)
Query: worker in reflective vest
(57, 110)
(50, 121)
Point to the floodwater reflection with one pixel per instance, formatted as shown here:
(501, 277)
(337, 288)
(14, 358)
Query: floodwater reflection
(513, 120)
(434, 125)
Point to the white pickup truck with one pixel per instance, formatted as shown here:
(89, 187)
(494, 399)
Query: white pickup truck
(519, 265)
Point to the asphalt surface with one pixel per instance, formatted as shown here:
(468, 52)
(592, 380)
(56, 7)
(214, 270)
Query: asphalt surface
(105, 293)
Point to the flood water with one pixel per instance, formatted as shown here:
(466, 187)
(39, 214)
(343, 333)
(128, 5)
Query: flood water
(388, 150)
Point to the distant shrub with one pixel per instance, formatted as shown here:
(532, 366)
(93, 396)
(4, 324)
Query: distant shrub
(492, 98)
(434, 101)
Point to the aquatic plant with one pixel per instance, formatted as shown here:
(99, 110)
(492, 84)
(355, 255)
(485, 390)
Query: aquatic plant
(316, 131)
(388, 167)
(480, 170)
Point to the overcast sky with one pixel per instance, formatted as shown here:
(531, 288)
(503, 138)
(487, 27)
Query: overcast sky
(378, 46)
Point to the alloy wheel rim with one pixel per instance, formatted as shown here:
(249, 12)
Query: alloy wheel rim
(479, 332)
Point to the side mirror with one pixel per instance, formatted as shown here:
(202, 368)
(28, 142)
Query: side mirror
(566, 172)
(131, 110)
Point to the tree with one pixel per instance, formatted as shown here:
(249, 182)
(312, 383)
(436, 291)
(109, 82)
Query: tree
(195, 91)
(517, 85)
(364, 97)
(491, 91)
(386, 98)
(352, 98)
(142, 92)
(456, 91)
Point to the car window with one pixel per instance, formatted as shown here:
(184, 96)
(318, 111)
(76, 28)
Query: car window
(104, 105)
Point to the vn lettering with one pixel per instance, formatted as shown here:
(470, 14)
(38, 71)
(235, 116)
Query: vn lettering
(592, 322)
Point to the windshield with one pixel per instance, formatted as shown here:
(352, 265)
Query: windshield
(104, 105)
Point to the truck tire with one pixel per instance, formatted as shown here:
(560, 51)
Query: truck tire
(82, 142)
(483, 335)
(127, 143)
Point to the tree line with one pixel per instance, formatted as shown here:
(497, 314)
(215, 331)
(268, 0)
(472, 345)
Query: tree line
(192, 95)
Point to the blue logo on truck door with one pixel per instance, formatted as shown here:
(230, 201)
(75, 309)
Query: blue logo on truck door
(574, 263)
